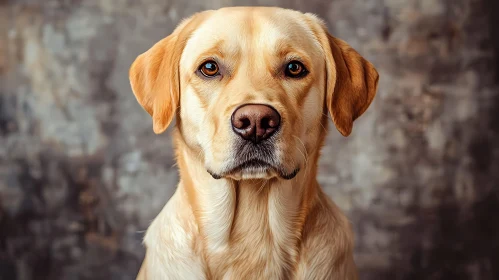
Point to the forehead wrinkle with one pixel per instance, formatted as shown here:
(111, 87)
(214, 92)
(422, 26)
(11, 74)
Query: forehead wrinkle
(252, 62)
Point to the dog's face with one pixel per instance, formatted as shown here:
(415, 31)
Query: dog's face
(251, 88)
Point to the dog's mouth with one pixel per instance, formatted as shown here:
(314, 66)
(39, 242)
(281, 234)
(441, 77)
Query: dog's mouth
(255, 162)
(255, 168)
(252, 165)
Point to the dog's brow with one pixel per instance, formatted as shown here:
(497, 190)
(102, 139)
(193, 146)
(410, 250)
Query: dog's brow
(283, 47)
(215, 50)
(285, 50)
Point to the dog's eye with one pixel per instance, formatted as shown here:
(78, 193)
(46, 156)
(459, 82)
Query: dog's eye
(295, 69)
(209, 68)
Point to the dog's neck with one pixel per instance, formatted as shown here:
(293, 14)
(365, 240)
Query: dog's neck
(246, 213)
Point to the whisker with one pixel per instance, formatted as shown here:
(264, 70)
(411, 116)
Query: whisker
(304, 153)
(325, 130)
(261, 188)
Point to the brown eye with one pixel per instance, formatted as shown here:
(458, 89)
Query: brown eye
(209, 69)
(295, 69)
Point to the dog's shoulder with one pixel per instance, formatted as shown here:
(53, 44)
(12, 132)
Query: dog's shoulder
(327, 243)
(172, 245)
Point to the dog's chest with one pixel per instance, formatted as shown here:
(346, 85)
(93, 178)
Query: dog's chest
(254, 256)
(262, 244)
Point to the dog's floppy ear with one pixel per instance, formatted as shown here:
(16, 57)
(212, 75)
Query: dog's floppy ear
(350, 93)
(351, 82)
(154, 75)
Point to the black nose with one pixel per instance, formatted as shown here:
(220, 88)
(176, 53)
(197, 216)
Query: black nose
(255, 122)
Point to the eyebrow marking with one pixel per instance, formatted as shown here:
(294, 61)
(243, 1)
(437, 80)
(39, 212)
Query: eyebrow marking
(286, 53)
(223, 54)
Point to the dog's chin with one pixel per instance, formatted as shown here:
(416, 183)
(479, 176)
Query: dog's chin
(252, 173)
(255, 170)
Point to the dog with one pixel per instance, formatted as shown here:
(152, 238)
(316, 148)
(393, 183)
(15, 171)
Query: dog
(251, 90)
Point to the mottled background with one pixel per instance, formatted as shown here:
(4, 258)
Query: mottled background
(82, 173)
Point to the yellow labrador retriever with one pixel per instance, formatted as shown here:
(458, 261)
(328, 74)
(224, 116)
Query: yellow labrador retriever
(251, 89)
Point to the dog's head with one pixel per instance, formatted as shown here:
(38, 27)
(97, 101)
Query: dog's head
(252, 87)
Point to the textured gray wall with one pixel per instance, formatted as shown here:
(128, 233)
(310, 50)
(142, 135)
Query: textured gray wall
(82, 173)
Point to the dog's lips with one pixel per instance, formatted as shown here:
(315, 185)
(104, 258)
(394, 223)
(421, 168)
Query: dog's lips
(251, 166)
(255, 167)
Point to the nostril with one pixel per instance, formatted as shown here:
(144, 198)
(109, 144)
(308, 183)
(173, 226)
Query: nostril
(270, 122)
(267, 123)
(242, 123)
(245, 123)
